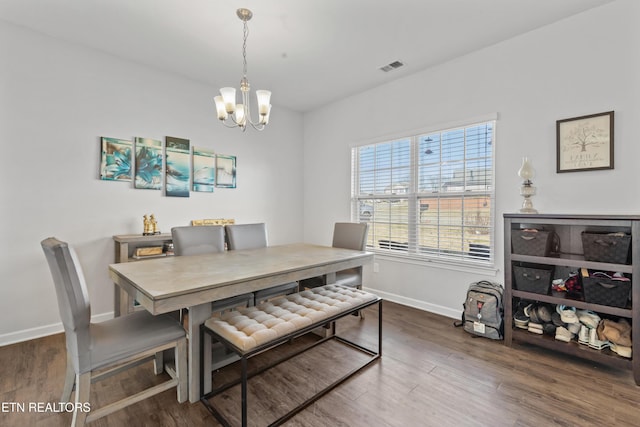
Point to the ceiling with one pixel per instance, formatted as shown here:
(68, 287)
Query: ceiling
(307, 52)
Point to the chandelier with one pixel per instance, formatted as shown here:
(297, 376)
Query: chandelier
(239, 115)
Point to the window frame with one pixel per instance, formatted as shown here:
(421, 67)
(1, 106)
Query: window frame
(413, 252)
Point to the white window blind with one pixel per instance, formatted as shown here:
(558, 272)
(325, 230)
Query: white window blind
(428, 195)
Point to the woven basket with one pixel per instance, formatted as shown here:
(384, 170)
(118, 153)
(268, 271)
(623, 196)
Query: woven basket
(603, 291)
(533, 279)
(612, 248)
(531, 242)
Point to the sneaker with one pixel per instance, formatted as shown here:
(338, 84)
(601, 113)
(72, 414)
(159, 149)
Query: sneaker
(520, 320)
(543, 313)
(536, 328)
(621, 350)
(567, 314)
(588, 318)
(574, 328)
(533, 314)
(583, 335)
(556, 320)
(549, 329)
(595, 342)
(563, 334)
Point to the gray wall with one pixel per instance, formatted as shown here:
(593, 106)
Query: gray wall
(56, 101)
(585, 64)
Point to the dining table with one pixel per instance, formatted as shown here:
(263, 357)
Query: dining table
(171, 283)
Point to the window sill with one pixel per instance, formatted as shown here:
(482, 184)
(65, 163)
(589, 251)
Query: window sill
(465, 266)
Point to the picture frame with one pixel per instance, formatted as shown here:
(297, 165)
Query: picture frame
(585, 143)
(204, 170)
(177, 167)
(225, 171)
(115, 159)
(149, 164)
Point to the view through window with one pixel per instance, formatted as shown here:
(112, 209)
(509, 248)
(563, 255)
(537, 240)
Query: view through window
(428, 195)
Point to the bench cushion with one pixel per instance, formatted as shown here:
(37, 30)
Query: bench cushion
(249, 327)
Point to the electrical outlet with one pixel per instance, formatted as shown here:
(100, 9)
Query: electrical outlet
(376, 267)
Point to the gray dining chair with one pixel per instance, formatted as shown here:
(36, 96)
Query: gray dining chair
(346, 235)
(253, 236)
(111, 346)
(190, 240)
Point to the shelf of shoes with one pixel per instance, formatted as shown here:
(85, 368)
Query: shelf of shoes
(600, 332)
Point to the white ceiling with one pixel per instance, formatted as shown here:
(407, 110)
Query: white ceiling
(308, 52)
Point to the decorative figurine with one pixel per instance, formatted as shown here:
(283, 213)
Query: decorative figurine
(154, 225)
(146, 231)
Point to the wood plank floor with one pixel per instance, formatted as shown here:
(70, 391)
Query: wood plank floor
(430, 374)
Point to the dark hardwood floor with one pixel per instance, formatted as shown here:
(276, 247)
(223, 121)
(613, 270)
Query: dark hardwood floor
(430, 374)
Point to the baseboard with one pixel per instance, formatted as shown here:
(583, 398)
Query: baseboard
(432, 308)
(56, 328)
(43, 331)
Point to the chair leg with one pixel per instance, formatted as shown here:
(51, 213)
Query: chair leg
(158, 363)
(181, 370)
(69, 381)
(83, 382)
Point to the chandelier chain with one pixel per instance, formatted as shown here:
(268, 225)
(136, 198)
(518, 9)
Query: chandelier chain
(244, 49)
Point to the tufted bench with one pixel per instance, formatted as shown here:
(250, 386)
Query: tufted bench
(248, 331)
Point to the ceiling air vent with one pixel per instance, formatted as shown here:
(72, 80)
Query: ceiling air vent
(392, 66)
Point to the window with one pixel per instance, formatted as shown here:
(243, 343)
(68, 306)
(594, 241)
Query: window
(429, 195)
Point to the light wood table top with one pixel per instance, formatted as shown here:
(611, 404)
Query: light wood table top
(162, 285)
(170, 283)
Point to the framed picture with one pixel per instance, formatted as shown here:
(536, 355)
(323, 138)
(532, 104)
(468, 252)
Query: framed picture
(178, 167)
(204, 168)
(115, 159)
(585, 143)
(225, 171)
(148, 164)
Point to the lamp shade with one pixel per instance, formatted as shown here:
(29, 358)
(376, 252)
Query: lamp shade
(240, 118)
(526, 171)
(264, 98)
(220, 109)
(229, 98)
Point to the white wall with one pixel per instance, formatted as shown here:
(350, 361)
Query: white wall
(56, 100)
(586, 64)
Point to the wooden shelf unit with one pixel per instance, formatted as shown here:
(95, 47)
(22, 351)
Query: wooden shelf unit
(125, 246)
(570, 256)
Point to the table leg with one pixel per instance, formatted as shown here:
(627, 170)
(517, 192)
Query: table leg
(197, 316)
(330, 278)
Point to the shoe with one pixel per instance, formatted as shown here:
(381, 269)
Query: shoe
(574, 328)
(567, 314)
(618, 333)
(583, 335)
(543, 313)
(563, 334)
(588, 318)
(595, 342)
(621, 350)
(520, 320)
(549, 329)
(533, 314)
(556, 320)
(527, 309)
(536, 328)
(625, 332)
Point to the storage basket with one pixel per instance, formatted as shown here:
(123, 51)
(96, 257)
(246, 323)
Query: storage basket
(536, 279)
(531, 242)
(606, 291)
(601, 247)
